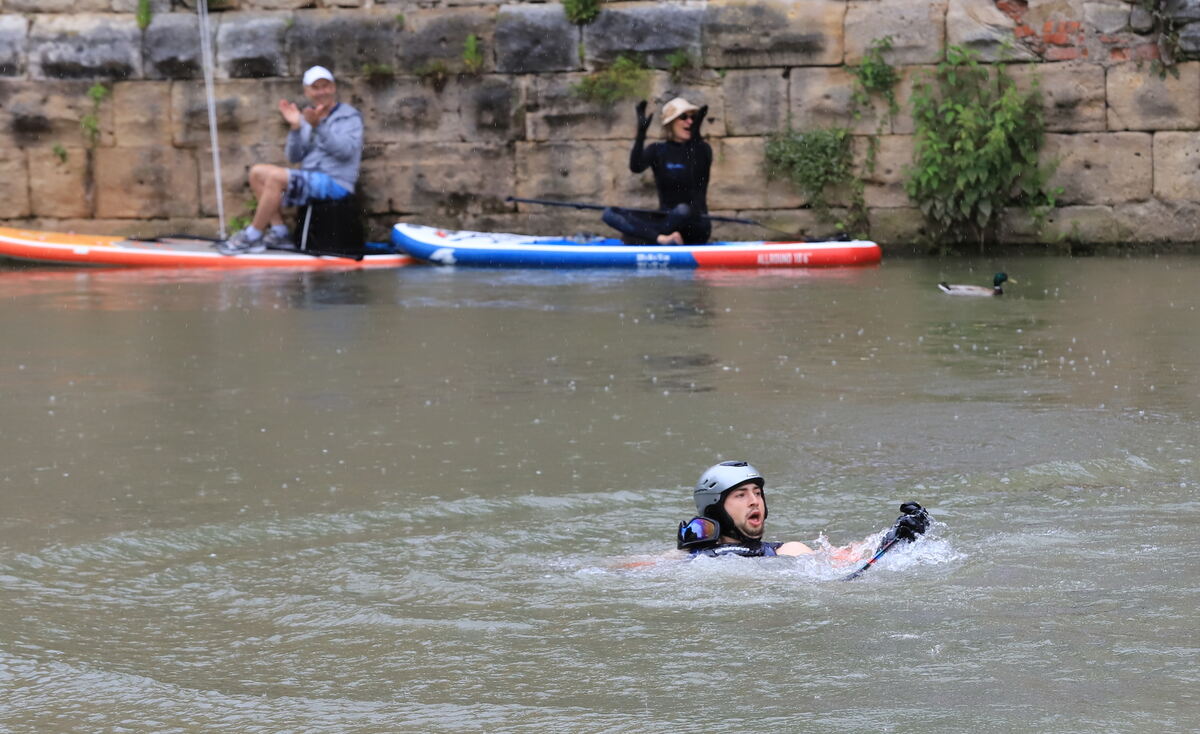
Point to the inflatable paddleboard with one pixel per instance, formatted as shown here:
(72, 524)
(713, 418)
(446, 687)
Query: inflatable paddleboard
(180, 252)
(452, 247)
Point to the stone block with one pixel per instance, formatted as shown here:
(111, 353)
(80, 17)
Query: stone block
(1189, 39)
(1107, 16)
(252, 45)
(47, 113)
(1138, 100)
(172, 47)
(739, 178)
(822, 97)
(1176, 162)
(449, 178)
(278, 4)
(651, 31)
(917, 28)
(1073, 96)
(978, 25)
(14, 183)
(85, 46)
(491, 109)
(1101, 168)
(236, 161)
(759, 100)
(1183, 11)
(244, 114)
(56, 6)
(897, 230)
(1064, 227)
(885, 185)
(534, 39)
(1154, 220)
(142, 113)
(910, 78)
(407, 111)
(343, 42)
(57, 187)
(158, 8)
(13, 29)
(146, 182)
(555, 112)
(568, 171)
(741, 33)
(440, 36)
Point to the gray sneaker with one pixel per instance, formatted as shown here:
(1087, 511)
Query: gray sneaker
(277, 242)
(239, 243)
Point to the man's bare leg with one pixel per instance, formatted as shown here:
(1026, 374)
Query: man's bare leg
(268, 184)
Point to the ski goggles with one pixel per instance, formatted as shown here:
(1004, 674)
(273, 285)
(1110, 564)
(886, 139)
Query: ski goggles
(698, 531)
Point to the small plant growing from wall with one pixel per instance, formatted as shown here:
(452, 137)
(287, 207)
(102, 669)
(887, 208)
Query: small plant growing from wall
(472, 55)
(976, 150)
(435, 74)
(816, 162)
(144, 14)
(378, 73)
(679, 62)
(581, 12)
(1166, 32)
(89, 124)
(875, 77)
(627, 78)
(60, 152)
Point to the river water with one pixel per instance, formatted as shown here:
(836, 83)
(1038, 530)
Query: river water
(409, 500)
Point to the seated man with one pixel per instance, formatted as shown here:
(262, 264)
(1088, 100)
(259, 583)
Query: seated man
(733, 516)
(326, 139)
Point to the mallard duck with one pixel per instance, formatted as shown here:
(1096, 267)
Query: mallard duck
(977, 290)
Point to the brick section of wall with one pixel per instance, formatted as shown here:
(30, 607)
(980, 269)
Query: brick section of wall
(447, 143)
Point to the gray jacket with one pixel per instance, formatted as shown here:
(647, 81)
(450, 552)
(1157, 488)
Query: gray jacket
(333, 147)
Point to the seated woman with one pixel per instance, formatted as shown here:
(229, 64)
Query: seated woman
(681, 164)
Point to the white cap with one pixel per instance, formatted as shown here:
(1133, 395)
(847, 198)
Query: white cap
(317, 72)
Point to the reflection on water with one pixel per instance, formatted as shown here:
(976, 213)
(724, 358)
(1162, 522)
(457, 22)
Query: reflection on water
(403, 501)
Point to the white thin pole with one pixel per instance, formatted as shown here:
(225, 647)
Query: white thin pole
(206, 54)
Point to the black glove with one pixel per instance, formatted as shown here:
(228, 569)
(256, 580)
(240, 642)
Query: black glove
(913, 522)
(697, 121)
(643, 119)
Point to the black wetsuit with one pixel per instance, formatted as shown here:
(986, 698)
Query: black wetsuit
(751, 549)
(681, 175)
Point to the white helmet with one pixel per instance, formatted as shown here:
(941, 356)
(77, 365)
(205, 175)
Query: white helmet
(719, 479)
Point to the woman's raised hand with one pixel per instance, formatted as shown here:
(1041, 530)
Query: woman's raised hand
(642, 118)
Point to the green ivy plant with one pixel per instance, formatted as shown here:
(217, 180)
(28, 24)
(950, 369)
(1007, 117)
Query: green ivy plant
(875, 76)
(60, 152)
(976, 150)
(814, 162)
(581, 12)
(627, 78)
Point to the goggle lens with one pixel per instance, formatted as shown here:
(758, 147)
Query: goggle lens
(698, 531)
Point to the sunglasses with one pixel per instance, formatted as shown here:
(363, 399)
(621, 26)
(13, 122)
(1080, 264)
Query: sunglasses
(687, 116)
(698, 531)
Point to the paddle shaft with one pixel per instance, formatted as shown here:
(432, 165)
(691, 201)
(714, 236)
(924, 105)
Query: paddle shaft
(878, 554)
(659, 212)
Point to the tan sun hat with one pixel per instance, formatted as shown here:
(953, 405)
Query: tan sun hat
(675, 108)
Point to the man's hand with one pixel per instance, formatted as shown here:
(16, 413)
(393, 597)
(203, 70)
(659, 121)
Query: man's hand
(642, 118)
(291, 113)
(698, 120)
(314, 115)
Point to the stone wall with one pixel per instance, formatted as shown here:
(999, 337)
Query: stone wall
(448, 148)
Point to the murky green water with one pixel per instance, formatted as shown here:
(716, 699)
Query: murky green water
(380, 502)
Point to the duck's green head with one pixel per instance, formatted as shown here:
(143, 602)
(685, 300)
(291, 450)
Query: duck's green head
(998, 279)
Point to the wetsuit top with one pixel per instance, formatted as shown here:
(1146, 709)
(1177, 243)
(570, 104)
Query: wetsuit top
(748, 550)
(680, 171)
